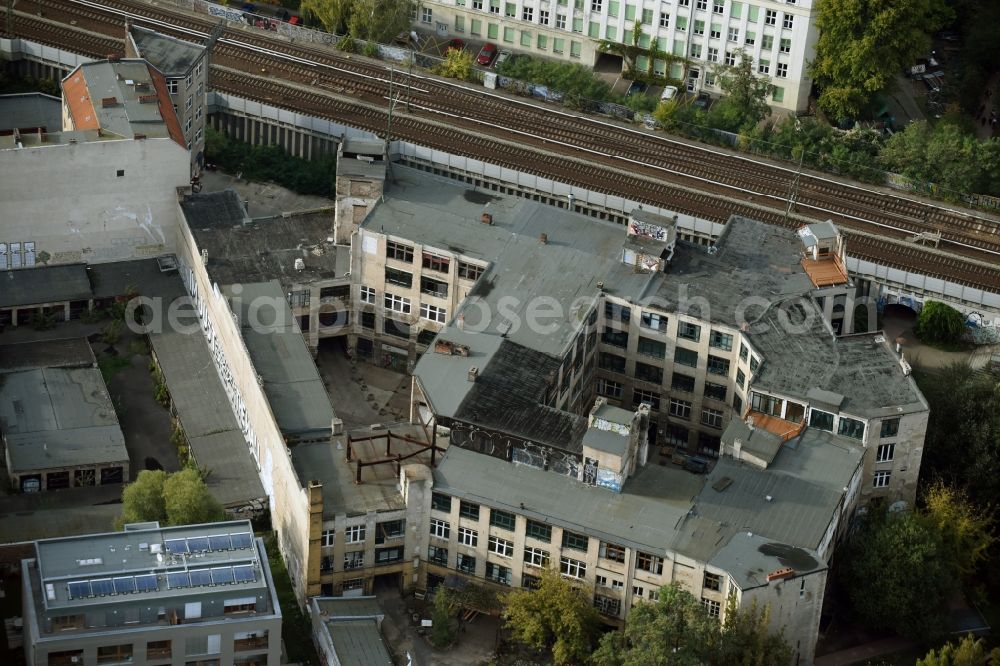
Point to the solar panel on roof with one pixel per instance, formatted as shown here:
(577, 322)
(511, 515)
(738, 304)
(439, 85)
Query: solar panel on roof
(244, 574)
(102, 586)
(222, 575)
(201, 577)
(241, 539)
(220, 542)
(176, 545)
(198, 544)
(146, 583)
(79, 589)
(124, 585)
(178, 579)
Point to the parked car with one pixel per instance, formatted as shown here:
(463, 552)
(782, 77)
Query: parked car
(502, 57)
(486, 54)
(637, 88)
(703, 102)
(455, 45)
(669, 92)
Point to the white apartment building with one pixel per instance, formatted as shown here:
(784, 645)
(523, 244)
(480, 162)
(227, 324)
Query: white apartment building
(780, 35)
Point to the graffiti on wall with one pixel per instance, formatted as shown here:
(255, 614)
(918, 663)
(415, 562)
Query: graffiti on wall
(656, 232)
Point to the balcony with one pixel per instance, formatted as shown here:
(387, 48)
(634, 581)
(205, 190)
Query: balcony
(825, 271)
(253, 643)
(158, 653)
(785, 430)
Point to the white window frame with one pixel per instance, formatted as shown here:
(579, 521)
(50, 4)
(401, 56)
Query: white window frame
(501, 547)
(395, 303)
(367, 294)
(573, 568)
(537, 557)
(354, 534)
(433, 313)
(881, 479)
(329, 538)
(440, 528)
(426, 15)
(468, 537)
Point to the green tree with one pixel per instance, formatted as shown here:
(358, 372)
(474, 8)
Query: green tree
(898, 575)
(557, 615)
(379, 20)
(966, 530)
(188, 501)
(746, 93)
(939, 323)
(332, 14)
(863, 44)
(457, 64)
(142, 500)
(443, 617)
(969, 651)
(675, 630)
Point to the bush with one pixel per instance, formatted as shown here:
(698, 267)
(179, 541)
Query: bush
(370, 49)
(577, 83)
(457, 64)
(271, 163)
(347, 44)
(940, 324)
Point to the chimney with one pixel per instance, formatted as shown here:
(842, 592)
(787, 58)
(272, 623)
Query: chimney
(473, 373)
(544, 239)
(148, 99)
(600, 286)
(204, 257)
(487, 218)
(139, 137)
(108, 101)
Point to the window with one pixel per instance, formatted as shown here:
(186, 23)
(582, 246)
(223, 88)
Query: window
(468, 537)
(558, 45)
(680, 408)
(763, 67)
(681, 382)
(528, 14)
(711, 417)
(713, 608)
(188, 82)
(718, 365)
(158, 650)
(686, 357)
(397, 303)
(682, 24)
(741, 378)
(466, 564)
(821, 420)
(398, 277)
(770, 17)
(734, 34)
(437, 555)
(329, 538)
(664, 20)
(477, 4)
(469, 271)
(510, 10)
(890, 428)
(744, 351)
(720, 340)
(785, 45)
(688, 331)
(653, 348)
(701, 4)
(441, 502)
(616, 312)
(354, 534)
(736, 10)
(754, 364)
(501, 547)
(609, 389)
(120, 173)
(653, 321)
(713, 54)
(695, 50)
(614, 337)
(884, 453)
(607, 605)
(782, 71)
(715, 391)
(498, 574)
(610, 551)
(575, 541)
(367, 294)
(649, 397)
(788, 21)
(718, 6)
(648, 373)
(612, 362)
(737, 404)
(730, 58)
(650, 563)
(543, 17)
(683, 3)
(709, 79)
(111, 654)
(777, 94)
(560, 21)
(398, 251)
(536, 557)
(750, 39)
(433, 313)
(426, 15)
(881, 479)
(468, 510)
(354, 559)
(712, 582)
(638, 591)
(851, 428)
(573, 568)
(173, 85)
(539, 531)
(434, 262)
(767, 43)
(716, 31)
(502, 519)
(699, 28)
(368, 320)
(440, 528)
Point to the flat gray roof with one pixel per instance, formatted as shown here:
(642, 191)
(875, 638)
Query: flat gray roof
(44, 284)
(862, 368)
(368, 169)
(758, 441)
(358, 642)
(605, 440)
(151, 555)
(241, 249)
(61, 353)
(58, 417)
(340, 608)
(282, 360)
(128, 116)
(174, 57)
(30, 111)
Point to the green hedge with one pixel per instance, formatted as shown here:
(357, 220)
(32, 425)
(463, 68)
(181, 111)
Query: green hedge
(271, 163)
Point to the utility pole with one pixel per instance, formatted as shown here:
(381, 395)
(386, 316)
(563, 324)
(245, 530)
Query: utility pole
(794, 190)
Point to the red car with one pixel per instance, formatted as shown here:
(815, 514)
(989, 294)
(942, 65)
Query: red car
(486, 55)
(455, 45)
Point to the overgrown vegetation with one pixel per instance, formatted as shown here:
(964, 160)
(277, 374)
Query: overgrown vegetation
(939, 324)
(180, 441)
(577, 83)
(160, 392)
(10, 84)
(457, 64)
(271, 163)
(444, 629)
(181, 498)
(295, 630)
(371, 20)
(968, 651)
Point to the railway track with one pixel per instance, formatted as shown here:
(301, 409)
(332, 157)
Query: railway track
(369, 83)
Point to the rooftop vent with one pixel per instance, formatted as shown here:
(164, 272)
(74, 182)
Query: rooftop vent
(142, 85)
(449, 348)
(780, 574)
(139, 137)
(487, 218)
(109, 101)
(544, 239)
(148, 99)
(473, 373)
